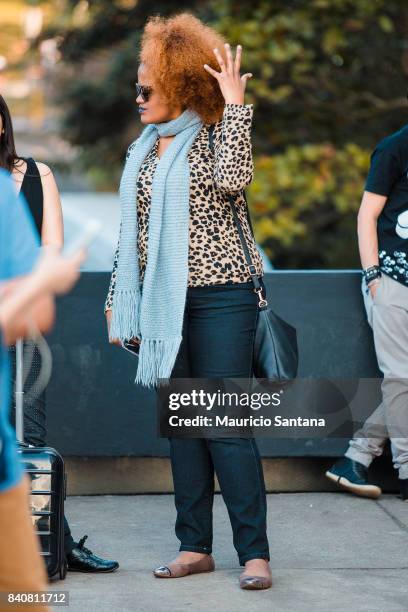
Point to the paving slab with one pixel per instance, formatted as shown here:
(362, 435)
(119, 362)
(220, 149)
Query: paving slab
(396, 509)
(329, 552)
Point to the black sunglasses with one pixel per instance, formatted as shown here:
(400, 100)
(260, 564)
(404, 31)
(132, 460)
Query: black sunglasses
(143, 90)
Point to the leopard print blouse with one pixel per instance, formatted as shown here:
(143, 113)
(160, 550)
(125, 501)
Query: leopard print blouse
(215, 252)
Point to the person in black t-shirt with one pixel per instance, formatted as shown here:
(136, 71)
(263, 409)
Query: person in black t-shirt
(388, 177)
(383, 244)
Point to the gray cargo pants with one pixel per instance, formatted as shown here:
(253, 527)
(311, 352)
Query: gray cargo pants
(387, 314)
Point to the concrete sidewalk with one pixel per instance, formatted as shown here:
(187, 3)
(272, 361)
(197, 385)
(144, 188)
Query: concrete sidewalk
(329, 551)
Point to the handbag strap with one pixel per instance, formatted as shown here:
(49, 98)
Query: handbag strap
(262, 302)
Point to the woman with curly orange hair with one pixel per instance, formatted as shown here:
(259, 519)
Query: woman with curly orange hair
(181, 293)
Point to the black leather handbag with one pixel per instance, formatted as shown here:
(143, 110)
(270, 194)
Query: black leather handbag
(275, 348)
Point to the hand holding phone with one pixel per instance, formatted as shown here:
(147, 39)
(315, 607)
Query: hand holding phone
(132, 346)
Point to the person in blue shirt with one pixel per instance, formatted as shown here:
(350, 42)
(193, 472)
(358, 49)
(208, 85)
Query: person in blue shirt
(35, 181)
(28, 282)
(19, 250)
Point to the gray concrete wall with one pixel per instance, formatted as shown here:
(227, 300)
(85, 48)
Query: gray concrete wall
(95, 410)
(143, 475)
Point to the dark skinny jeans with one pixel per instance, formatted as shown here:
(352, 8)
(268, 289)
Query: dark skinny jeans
(218, 335)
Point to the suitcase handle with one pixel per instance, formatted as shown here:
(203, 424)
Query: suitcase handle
(19, 392)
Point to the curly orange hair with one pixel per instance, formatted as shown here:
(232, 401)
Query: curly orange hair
(175, 49)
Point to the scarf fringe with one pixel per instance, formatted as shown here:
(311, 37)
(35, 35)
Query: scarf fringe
(156, 360)
(125, 314)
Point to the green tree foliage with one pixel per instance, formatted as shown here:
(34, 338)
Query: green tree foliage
(329, 82)
(99, 45)
(324, 70)
(304, 203)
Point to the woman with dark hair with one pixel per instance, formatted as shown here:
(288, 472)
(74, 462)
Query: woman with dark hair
(188, 300)
(36, 182)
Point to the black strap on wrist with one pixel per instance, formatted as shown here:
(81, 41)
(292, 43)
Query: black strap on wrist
(371, 273)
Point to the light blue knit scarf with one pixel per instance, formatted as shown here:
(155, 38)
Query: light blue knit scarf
(154, 312)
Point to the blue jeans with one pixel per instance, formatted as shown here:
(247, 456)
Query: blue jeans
(218, 334)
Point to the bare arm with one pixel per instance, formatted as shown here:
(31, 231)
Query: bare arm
(53, 227)
(370, 209)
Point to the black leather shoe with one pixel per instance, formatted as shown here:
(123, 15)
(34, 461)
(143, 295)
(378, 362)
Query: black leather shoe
(81, 559)
(352, 476)
(403, 485)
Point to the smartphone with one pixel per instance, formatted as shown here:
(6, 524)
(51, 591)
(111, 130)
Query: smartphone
(92, 229)
(131, 348)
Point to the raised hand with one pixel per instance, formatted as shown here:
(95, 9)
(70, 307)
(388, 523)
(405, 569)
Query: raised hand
(232, 85)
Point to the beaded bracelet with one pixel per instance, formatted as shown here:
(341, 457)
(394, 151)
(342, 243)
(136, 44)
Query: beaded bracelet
(371, 273)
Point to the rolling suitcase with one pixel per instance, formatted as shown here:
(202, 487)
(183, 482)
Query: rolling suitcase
(45, 468)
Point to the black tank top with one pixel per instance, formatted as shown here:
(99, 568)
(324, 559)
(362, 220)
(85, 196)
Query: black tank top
(32, 190)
